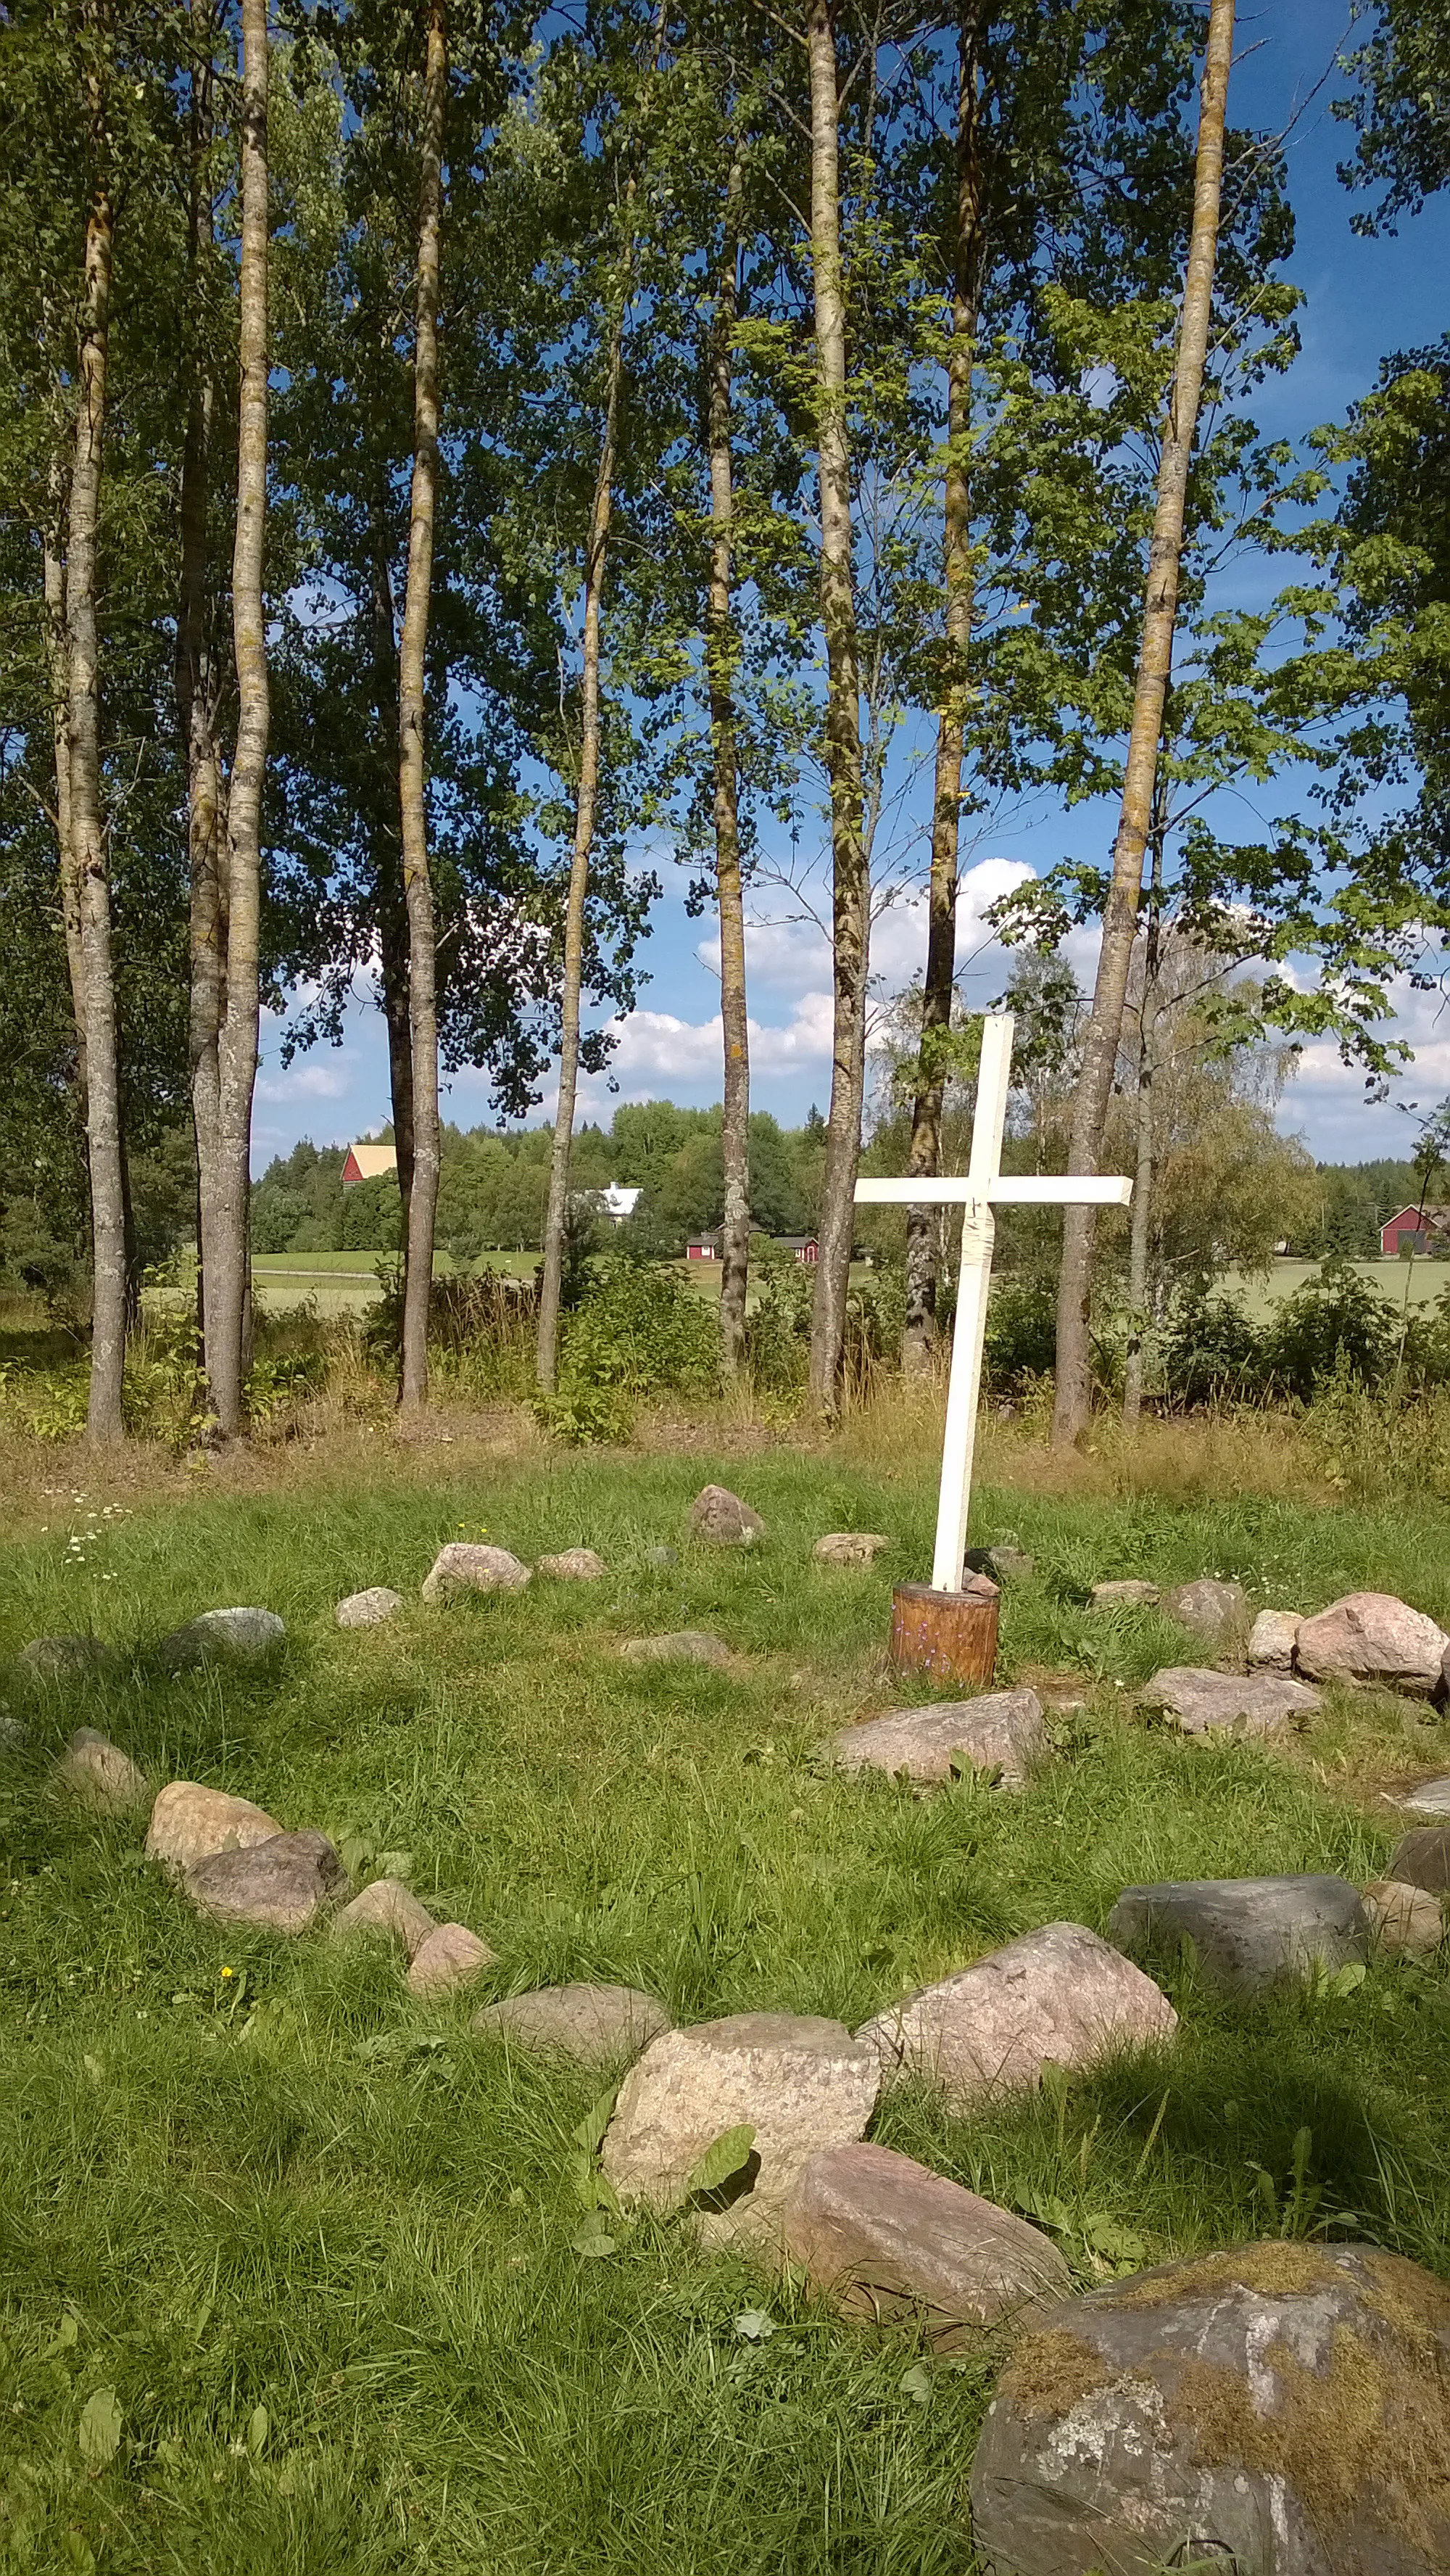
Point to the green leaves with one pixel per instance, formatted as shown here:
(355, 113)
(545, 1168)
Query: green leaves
(99, 2429)
(722, 2160)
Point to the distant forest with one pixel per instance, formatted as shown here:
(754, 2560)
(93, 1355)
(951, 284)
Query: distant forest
(494, 1185)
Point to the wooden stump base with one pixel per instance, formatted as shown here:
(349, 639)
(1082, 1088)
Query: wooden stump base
(950, 1635)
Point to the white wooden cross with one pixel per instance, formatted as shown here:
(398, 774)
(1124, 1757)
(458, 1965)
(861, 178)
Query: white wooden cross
(984, 1184)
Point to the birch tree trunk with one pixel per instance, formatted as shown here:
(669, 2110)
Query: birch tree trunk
(589, 749)
(1073, 1396)
(722, 658)
(57, 672)
(385, 827)
(850, 888)
(87, 832)
(195, 697)
(227, 1300)
(1141, 1231)
(412, 667)
(923, 1229)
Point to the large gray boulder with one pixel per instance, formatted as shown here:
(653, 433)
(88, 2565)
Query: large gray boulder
(1055, 1997)
(189, 1821)
(283, 1885)
(462, 1567)
(370, 1608)
(1277, 2411)
(884, 2238)
(800, 2083)
(65, 1659)
(1210, 1607)
(1422, 1858)
(1372, 1638)
(591, 2025)
(1249, 1933)
(1431, 1798)
(1003, 1731)
(223, 1637)
(720, 1518)
(389, 1909)
(1201, 1702)
(97, 1774)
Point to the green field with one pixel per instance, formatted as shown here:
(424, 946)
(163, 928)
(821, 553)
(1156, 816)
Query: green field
(321, 2243)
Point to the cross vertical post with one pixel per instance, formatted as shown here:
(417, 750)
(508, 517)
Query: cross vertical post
(974, 1281)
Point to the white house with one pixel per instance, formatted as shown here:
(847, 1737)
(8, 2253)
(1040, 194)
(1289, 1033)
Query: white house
(616, 1202)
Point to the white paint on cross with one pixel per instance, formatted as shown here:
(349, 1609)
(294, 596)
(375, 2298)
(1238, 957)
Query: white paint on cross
(984, 1185)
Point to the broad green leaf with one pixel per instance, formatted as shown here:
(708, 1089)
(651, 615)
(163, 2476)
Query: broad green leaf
(1348, 1977)
(259, 2425)
(99, 2430)
(591, 2128)
(916, 2383)
(1106, 2237)
(754, 2325)
(593, 2242)
(723, 2157)
(78, 2551)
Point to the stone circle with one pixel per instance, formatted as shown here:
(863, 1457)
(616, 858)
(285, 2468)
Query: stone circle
(1201, 1702)
(722, 1520)
(1210, 1607)
(189, 1821)
(883, 2238)
(1003, 1731)
(573, 1565)
(283, 1884)
(387, 1906)
(1059, 1996)
(370, 1608)
(463, 1567)
(98, 1774)
(1249, 1933)
(802, 2083)
(677, 1646)
(591, 2025)
(849, 1547)
(1272, 1640)
(1372, 1638)
(1279, 2411)
(450, 1957)
(242, 1636)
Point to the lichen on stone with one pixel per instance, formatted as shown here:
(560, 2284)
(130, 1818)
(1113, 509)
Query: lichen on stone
(1052, 2371)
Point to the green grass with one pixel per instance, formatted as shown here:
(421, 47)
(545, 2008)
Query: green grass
(325, 2202)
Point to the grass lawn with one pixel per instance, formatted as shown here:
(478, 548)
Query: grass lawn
(319, 2239)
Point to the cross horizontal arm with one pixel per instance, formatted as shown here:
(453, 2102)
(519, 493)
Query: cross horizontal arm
(1052, 1189)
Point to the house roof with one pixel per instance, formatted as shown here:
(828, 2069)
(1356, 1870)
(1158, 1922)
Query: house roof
(1430, 1216)
(795, 1242)
(619, 1198)
(373, 1160)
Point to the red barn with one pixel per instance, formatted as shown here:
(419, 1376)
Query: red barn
(801, 1247)
(368, 1163)
(1413, 1230)
(703, 1247)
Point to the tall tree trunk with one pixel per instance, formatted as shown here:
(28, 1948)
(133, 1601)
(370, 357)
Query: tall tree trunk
(386, 832)
(87, 832)
(1073, 1396)
(227, 1293)
(196, 691)
(58, 674)
(722, 660)
(851, 886)
(1141, 1231)
(412, 665)
(923, 1228)
(557, 1206)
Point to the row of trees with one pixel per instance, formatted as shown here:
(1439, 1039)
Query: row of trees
(443, 444)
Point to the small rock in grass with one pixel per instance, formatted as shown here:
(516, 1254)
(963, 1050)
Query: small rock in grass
(883, 2238)
(12, 1733)
(190, 1821)
(1207, 1703)
(574, 1565)
(849, 1547)
(462, 1567)
(1279, 2411)
(1003, 1731)
(1272, 1639)
(1130, 1594)
(1423, 1858)
(284, 1884)
(450, 1957)
(799, 2082)
(1372, 1638)
(678, 1646)
(1406, 1921)
(1249, 1933)
(1212, 1609)
(1006, 1562)
(387, 1906)
(592, 2025)
(1055, 1997)
(222, 1637)
(662, 1556)
(99, 1774)
(721, 1518)
(370, 1608)
(1432, 1798)
(65, 1659)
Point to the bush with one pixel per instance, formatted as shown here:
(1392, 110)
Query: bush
(1212, 1352)
(642, 1330)
(1021, 1343)
(778, 1325)
(1334, 1326)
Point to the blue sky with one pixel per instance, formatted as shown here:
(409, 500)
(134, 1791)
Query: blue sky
(1363, 300)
